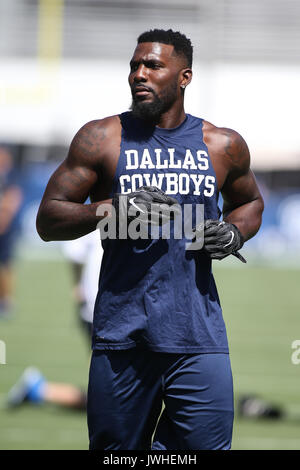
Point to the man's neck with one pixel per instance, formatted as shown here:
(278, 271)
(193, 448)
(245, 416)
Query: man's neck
(171, 119)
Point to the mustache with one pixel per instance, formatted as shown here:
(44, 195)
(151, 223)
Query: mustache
(138, 85)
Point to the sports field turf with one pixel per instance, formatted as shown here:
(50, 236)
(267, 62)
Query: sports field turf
(261, 310)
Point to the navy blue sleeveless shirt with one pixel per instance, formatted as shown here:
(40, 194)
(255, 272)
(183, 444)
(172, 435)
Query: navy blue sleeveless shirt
(154, 293)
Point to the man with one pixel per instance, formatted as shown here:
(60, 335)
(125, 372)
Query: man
(10, 203)
(84, 257)
(158, 332)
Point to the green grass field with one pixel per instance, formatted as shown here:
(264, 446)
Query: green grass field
(261, 310)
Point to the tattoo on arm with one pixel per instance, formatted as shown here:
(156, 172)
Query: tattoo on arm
(237, 151)
(79, 172)
(87, 140)
(243, 204)
(62, 213)
(68, 181)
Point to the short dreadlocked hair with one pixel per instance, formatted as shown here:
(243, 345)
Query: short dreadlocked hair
(182, 45)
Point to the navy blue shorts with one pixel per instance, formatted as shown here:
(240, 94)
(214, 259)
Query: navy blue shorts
(127, 389)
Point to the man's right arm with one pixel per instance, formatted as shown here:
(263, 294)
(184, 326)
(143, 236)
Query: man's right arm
(62, 213)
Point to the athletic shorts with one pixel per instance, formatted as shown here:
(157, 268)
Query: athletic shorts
(127, 389)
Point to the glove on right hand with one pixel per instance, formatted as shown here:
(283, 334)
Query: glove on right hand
(147, 200)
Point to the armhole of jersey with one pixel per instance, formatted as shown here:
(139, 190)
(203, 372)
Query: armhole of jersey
(209, 159)
(114, 180)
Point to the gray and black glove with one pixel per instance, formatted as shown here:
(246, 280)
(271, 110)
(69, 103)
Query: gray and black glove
(146, 204)
(222, 239)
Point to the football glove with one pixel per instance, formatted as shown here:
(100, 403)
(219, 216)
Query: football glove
(222, 239)
(146, 204)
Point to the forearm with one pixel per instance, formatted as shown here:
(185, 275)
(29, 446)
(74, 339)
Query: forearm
(64, 220)
(246, 217)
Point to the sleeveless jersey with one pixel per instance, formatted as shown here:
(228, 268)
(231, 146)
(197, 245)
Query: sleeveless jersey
(154, 293)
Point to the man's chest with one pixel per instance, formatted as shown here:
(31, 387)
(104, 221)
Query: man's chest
(176, 169)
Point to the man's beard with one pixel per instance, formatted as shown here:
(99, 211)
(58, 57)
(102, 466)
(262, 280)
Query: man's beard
(152, 112)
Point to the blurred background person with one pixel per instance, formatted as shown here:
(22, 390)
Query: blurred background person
(10, 203)
(84, 257)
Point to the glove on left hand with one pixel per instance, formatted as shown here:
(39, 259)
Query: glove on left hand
(222, 239)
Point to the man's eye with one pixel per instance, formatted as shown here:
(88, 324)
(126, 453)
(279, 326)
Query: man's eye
(154, 66)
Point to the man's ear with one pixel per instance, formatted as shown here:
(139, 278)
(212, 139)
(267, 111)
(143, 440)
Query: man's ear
(186, 77)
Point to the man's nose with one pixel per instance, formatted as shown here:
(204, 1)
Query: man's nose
(140, 74)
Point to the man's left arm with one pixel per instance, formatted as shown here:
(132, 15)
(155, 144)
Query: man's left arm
(243, 204)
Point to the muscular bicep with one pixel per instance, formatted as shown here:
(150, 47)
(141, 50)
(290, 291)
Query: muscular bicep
(240, 188)
(71, 182)
(79, 172)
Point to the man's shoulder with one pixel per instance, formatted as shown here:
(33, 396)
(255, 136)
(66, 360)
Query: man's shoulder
(225, 142)
(94, 139)
(101, 126)
(221, 135)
